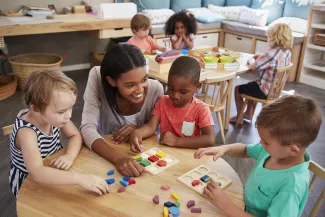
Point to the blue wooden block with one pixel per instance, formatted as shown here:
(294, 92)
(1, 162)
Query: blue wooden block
(169, 204)
(110, 181)
(110, 172)
(204, 177)
(125, 178)
(124, 183)
(174, 211)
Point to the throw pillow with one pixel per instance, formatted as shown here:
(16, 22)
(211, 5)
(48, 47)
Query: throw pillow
(255, 17)
(157, 16)
(151, 4)
(230, 13)
(296, 24)
(274, 7)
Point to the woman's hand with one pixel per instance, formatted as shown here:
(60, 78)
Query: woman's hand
(129, 167)
(122, 134)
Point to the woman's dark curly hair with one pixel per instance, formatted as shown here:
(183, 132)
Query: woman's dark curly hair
(186, 18)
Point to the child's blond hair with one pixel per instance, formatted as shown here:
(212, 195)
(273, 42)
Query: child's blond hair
(280, 35)
(140, 21)
(40, 85)
(291, 120)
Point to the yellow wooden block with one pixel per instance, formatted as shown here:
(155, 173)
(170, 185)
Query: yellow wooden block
(136, 157)
(161, 154)
(175, 196)
(165, 212)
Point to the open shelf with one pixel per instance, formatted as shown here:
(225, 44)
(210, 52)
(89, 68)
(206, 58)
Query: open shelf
(316, 47)
(318, 65)
(318, 25)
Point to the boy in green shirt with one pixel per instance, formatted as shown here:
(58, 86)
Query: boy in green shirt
(278, 183)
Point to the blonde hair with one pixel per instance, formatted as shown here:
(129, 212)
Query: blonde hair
(140, 21)
(291, 120)
(40, 85)
(280, 35)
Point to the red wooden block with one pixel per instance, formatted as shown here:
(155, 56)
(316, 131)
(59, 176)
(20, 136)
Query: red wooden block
(121, 189)
(161, 163)
(195, 183)
(131, 181)
(153, 158)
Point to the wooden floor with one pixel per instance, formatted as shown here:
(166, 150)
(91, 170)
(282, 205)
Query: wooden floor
(9, 108)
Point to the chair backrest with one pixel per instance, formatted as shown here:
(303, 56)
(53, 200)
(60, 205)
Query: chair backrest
(318, 171)
(279, 81)
(221, 88)
(7, 130)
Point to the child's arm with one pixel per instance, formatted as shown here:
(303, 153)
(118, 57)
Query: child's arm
(205, 140)
(27, 142)
(188, 42)
(143, 132)
(74, 144)
(176, 44)
(237, 150)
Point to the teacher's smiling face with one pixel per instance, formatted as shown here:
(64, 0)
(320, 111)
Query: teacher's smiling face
(131, 85)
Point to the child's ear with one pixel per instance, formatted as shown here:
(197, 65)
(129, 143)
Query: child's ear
(295, 149)
(111, 81)
(35, 109)
(198, 87)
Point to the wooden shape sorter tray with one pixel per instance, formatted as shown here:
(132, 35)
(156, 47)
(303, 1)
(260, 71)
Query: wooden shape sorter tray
(200, 171)
(153, 168)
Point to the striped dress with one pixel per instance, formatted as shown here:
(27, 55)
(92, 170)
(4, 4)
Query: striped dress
(47, 145)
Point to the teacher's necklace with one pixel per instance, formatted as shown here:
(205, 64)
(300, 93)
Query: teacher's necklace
(127, 109)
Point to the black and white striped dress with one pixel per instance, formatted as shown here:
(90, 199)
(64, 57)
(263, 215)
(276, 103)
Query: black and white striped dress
(47, 145)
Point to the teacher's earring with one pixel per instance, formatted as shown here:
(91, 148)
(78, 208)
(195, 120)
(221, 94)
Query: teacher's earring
(111, 81)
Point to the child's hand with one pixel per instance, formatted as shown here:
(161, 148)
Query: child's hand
(129, 167)
(135, 141)
(168, 138)
(216, 195)
(216, 151)
(93, 183)
(122, 134)
(63, 162)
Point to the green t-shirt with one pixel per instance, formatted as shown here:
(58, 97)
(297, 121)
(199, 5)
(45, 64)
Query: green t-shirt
(275, 193)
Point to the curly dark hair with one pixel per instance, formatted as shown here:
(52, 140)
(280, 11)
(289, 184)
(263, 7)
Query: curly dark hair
(186, 18)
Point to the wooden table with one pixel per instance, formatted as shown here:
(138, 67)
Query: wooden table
(214, 74)
(42, 200)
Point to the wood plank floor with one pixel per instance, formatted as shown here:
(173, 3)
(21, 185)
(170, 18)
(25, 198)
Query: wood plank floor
(9, 108)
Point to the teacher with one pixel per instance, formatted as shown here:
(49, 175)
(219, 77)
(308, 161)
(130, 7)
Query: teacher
(119, 97)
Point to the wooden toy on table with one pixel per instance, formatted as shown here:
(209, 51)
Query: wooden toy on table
(199, 177)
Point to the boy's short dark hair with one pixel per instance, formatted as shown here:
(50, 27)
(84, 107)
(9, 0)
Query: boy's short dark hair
(186, 67)
(291, 120)
(140, 21)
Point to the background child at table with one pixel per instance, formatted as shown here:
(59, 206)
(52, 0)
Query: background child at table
(140, 25)
(184, 120)
(49, 96)
(279, 38)
(278, 183)
(181, 28)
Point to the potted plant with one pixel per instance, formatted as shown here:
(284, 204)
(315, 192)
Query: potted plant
(8, 83)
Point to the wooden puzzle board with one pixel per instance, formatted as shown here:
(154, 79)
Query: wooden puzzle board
(197, 173)
(153, 168)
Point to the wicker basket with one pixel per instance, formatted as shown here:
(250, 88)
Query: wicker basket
(8, 86)
(23, 65)
(319, 38)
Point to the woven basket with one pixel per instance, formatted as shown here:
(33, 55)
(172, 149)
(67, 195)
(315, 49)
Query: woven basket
(23, 65)
(8, 86)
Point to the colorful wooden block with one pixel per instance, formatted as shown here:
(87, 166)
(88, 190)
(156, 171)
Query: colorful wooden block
(196, 210)
(125, 178)
(165, 187)
(195, 183)
(169, 204)
(161, 154)
(204, 177)
(190, 203)
(156, 199)
(137, 158)
(131, 181)
(124, 183)
(145, 163)
(153, 158)
(110, 172)
(165, 212)
(170, 215)
(174, 196)
(174, 211)
(161, 163)
(110, 181)
(218, 183)
(177, 204)
(120, 189)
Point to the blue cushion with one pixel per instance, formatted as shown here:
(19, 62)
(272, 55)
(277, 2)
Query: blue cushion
(239, 3)
(292, 9)
(209, 17)
(213, 2)
(275, 10)
(177, 5)
(151, 4)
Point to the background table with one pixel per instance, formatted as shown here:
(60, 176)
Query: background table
(43, 200)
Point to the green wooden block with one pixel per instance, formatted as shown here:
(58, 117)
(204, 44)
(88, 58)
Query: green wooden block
(145, 163)
(139, 159)
(206, 180)
(218, 183)
(177, 204)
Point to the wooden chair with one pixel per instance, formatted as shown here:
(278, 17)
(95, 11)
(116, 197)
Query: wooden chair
(222, 88)
(7, 130)
(279, 81)
(318, 171)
